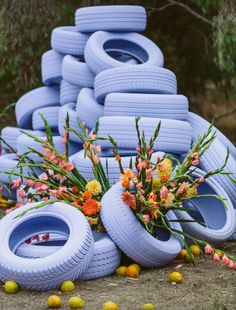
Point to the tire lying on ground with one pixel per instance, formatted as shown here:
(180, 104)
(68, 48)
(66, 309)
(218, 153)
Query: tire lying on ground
(132, 238)
(174, 135)
(51, 64)
(104, 262)
(98, 50)
(111, 18)
(35, 99)
(217, 223)
(146, 105)
(134, 79)
(46, 273)
(68, 92)
(51, 115)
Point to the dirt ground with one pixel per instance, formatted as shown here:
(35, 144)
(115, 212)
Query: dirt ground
(204, 287)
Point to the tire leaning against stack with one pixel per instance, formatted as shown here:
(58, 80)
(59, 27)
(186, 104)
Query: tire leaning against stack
(68, 92)
(51, 65)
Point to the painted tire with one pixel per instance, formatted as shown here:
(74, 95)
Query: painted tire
(220, 221)
(67, 40)
(104, 262)
(87, 108)
(77, 72)
(111, 18)
(85, 166)
(146, 105)
(51, 115)
(136, 45)
(174, 135)
(233, 237)
(134, 79)
(68, 92)
(35, 99)
(51, 64)
(45, 273)
(10, 135)
(131, 237)
(69, 109)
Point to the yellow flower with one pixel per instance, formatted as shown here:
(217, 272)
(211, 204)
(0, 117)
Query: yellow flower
(156, 182)
(92, 221)
(170, 199)
(94, 187)
(164, 168)
(191, 192)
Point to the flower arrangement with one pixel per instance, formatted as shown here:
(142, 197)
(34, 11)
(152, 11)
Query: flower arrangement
(151, 187)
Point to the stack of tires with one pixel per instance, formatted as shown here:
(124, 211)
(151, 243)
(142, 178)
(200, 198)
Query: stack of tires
(103, 68)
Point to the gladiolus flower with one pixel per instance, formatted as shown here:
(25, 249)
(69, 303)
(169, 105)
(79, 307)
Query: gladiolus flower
(201, 180)
(128, 199)
(149, 175)
(139, 185)
(230, 264)
(164, 192)
(21, 193)
(216, 257)
(142, 165)
(65, 137)
(30, 183)
(44, 177)
(225, 259)
(195, 162)
(125, 183)
(96, 159)
(208, 249)
(146, 218)
(98, 148)
(117, 158)
(16, 184)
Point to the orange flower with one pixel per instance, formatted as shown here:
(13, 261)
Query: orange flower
(117, 157)
(128, 174)
(153, 213)
(129, 200)
(75, 190)
(86, 195)
(90, 207)
(164, 178)
(125, 183)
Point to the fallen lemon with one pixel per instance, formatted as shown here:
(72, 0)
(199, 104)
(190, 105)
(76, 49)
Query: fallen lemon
(148, 307)
(195, 250)
(110, 305)
(54, 302)
(182, 254)
(132, 272)
(136, 266)
(120, 271)
(67, 286)
(76, 302)
(175, 277)
(11, 287)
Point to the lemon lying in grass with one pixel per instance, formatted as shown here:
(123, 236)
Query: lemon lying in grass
(136, 266)
(120, 271)
(175, 277)
(11, 287)
(76, 302)
(148, 307)
(195, 250)
(132, 272)
(54, 302)
(182, 254)
(67, 286)
(110, 305)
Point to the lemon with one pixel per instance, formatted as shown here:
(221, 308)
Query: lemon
(195, 250)
(120, 271)
(148, 307)
(182, 254)
(76, 302)
(110, 305)
(136, 266)
(67, 286)
(11, 287)
(132, 272)
(175, 277)
(54, 302)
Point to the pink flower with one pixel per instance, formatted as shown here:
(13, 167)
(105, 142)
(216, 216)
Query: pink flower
(141, 165)
(195, 162)
(138, 149)
(65, 137)
(44, 177)
(18, 205)
(45, 199)
(146, 218)
(148, 175)
(231, 264)
(53, 192)
(216, 257)
(139, 185)
(208, 249)
(30, 183)
(164, 192)
(92, 136)
(88, 153)
(201, 180)
(96, 159)
(61, 178)
(225, 259)
(16, 184)
(21, 193)
(98, 149)
(40, 187)
(66, 166)
(195, 155)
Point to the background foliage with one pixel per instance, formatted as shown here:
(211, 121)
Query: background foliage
(197, 37)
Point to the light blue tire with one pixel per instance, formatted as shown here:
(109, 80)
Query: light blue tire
(77, 72)
(35, 99)
(104, 262)
(101, 43)
(146, 105)
(10, 135)
(68, 92)
(218, 222)
(85, 167)
(174, 135)
(47, 273)
(134, 79)
(51, 115)
(67, 40)
(233, 237)
(51, 65)
(132, 238)
(111, 18)
(87, 108)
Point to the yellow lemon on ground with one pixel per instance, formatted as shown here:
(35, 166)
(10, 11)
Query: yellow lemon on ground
(182, 254)
(175, 277)
(148, 307)
(136, 266)
(67, 286)
(132, 272)
(120, 271)
(11, 287)
(195, 250)
(110, 305)
(76, 302)
(54, 302)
